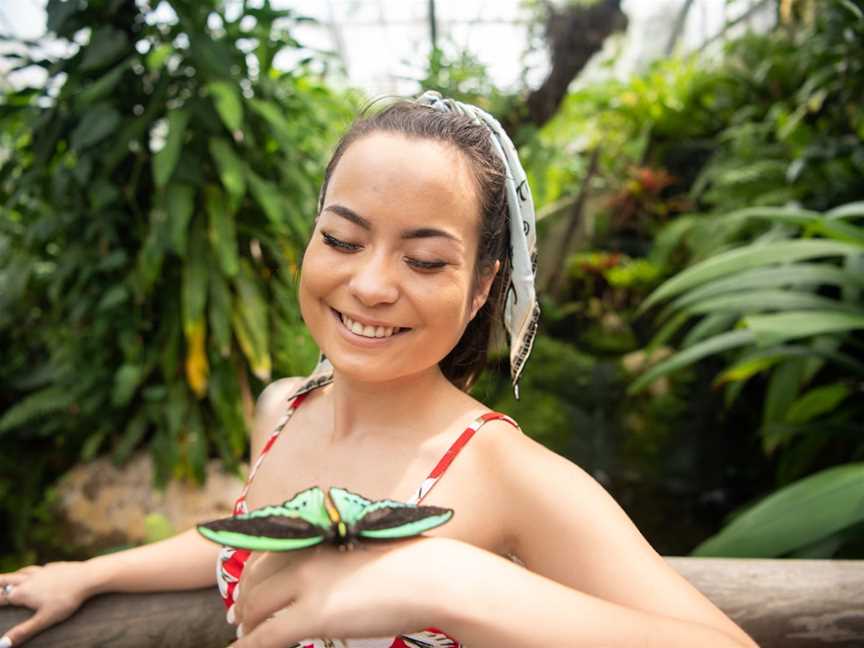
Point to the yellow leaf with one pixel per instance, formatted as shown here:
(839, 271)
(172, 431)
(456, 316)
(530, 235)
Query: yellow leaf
(197, 368)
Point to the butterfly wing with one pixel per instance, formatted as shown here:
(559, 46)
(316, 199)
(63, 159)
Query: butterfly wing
(298, 523)
(391, 519)
(350, 505)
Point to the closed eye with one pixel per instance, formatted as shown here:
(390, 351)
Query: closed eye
(425, 265)
(333, 242)
(417, 264)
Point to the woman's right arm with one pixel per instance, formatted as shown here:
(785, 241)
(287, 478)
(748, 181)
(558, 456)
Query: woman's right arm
(56, 590)
(186, 561)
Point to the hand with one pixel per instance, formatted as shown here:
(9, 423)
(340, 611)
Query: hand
(376, 590)
(54, 591)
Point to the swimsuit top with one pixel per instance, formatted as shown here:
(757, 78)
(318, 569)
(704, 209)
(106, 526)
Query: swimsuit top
(231, 561)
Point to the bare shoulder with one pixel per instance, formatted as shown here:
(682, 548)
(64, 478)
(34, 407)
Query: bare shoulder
(276, 393)
(566, 526)
(270, 406)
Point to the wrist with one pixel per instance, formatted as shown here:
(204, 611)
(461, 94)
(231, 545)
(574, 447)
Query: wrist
(97, 575)
(463, 580)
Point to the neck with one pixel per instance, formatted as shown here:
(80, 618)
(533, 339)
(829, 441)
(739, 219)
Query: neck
(393, 408)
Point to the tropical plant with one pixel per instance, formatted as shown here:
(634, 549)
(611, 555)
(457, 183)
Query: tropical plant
(156, 198)
(787, 306)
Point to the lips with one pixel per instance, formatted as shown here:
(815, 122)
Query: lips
(365, 330)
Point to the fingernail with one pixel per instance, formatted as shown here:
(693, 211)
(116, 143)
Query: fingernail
(5, 642)
(240, 632)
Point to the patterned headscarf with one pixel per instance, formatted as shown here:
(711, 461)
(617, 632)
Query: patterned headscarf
(521, 310)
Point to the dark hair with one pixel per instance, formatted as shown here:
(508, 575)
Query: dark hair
(465, 362)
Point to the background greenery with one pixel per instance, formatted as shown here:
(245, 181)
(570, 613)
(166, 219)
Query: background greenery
(702, 255)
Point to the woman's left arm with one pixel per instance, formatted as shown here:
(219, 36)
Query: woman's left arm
(477, 596)
(613, 589)
(592, 578)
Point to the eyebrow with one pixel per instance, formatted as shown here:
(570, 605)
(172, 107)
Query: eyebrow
(357, 219)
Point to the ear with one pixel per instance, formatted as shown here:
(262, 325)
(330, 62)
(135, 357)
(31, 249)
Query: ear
(484, 288)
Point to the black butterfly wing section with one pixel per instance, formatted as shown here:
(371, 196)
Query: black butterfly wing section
(271, 528)
(392, 520)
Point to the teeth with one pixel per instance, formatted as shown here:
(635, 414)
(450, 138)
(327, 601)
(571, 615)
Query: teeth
(368, 331)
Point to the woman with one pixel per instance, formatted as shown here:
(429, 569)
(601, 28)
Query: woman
(423, 243)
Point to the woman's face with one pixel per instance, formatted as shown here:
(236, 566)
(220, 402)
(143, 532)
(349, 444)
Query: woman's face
(386, 282)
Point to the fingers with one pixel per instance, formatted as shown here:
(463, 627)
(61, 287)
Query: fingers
(13, 580)
(283, 629)
(24, 631)
(269, 596)
(264, 566)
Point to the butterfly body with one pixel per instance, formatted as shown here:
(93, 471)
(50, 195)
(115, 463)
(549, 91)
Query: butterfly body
(311, 517)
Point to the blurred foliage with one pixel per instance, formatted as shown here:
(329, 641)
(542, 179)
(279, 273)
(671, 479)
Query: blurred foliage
(157, 195)
(777, 290)
(756, 154)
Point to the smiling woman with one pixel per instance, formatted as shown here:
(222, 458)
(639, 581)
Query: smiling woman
(423, 244)
(376, 263)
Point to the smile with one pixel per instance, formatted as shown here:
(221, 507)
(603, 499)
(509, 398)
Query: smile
(367, 330)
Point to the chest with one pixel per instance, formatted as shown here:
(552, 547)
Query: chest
(381, 470)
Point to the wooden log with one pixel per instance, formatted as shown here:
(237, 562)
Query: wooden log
(788, 603)
(780, 603)
(190, 619)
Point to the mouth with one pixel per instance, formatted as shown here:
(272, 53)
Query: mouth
(366, 330)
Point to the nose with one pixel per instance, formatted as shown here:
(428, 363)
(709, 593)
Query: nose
(374, 280)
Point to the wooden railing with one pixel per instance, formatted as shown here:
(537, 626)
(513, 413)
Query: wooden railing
(780, 603)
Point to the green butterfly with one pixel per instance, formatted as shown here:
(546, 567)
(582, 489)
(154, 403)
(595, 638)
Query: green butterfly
(311, 517)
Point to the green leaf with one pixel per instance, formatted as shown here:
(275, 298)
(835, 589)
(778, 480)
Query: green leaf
(196, 445)
(166, 159)
(97, 124)
(796, 274)
(226, 97)
(817, 401)
(224, 391)
(132, 435)
(756, 301)
(158, 55)
(758, 360)
(92, 444)
(250, 321)
(126, 381)
(219, 312)
(783, 387)
(58, 12)
(849, 210)
(101, 88)
(268, 197)
(745, 258)
(221, 230)
(779, 327)
(179, 204)
(280, 128)
(194, 280)
(231, 170)
(795, 516)
(150, 257)
(717, 344)
(45, 401)
(105, 47)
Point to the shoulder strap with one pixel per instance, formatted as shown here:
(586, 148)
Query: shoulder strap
(454, 450)
(294, 401)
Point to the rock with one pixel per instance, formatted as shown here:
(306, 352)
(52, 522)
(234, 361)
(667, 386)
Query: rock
(101, 506)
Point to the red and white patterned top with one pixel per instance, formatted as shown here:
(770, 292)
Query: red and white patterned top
(231, 561)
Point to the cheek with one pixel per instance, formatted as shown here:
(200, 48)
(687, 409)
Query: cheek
(315, 279)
